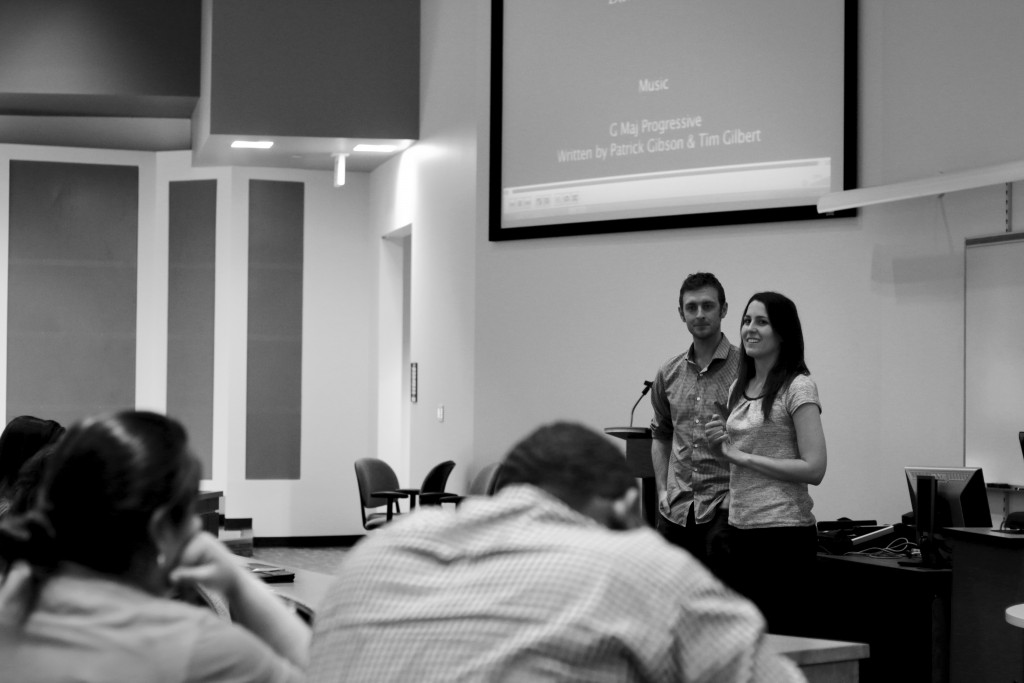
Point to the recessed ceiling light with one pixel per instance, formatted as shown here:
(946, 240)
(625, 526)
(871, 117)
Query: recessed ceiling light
(252, 144)
(375, 148)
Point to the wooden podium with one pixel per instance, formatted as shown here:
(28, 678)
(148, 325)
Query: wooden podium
(638, 456)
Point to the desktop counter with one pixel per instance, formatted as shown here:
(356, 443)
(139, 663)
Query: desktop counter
(988, 577)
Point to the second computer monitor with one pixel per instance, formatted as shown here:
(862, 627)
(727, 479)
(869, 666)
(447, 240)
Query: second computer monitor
(961, 498)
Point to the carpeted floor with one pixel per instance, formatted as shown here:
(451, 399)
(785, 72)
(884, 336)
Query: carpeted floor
(323, 560)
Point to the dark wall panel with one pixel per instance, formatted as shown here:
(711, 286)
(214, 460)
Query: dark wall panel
(101, 52)
(274, 371)
(190, 316)
(336, 69)
(71, 289)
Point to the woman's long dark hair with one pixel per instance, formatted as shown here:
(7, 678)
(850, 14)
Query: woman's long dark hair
(103, 481)
(786, 324)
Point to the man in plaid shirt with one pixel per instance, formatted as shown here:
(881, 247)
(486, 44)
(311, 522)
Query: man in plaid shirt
(554, 578)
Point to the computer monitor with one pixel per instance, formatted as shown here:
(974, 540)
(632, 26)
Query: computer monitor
(961, 498)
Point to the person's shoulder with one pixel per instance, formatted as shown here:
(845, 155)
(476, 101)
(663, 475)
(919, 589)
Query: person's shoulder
(672, 366)
(800, 390)
(729, 352)
(803, 382)
(727, 346)
(673, 361)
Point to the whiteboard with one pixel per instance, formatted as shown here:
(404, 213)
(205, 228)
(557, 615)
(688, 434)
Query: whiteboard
(994, 356)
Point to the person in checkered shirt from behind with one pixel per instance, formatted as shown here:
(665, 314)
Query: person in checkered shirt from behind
(554, 578)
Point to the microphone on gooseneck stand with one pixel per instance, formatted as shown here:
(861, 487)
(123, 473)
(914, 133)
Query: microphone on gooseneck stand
(647, 387)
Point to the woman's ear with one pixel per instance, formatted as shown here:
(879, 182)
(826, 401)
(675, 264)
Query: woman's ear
(163, 533)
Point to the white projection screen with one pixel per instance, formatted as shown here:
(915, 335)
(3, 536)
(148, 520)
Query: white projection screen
(620, 115)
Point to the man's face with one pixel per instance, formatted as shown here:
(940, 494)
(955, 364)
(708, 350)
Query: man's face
(702, 313)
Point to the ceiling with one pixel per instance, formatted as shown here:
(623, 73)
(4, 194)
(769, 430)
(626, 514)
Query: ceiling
(77, 74)
(160, 134)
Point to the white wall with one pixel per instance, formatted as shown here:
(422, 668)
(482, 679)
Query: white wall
(339, 358)
(339, 384)
(433, 188)
(569, 327)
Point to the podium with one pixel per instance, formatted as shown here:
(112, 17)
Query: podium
(638, 457)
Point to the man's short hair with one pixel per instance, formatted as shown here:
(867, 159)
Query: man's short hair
(697, 281)
(570, 461)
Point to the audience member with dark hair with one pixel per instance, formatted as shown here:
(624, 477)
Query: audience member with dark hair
(554, 578)
(111, 530)
(775, 445)
(21, 439)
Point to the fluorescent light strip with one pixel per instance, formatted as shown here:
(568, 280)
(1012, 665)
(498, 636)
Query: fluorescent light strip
(375, 148)
(252, 144)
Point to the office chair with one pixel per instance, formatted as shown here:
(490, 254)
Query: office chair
(483, 483)
(486, 480)
(378, 485)
(432, 492)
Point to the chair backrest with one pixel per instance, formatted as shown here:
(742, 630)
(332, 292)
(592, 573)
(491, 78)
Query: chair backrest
(484, 481)
(373, 474)
(437, 477)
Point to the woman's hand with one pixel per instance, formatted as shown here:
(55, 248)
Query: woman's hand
(718, 438)
(207, 561)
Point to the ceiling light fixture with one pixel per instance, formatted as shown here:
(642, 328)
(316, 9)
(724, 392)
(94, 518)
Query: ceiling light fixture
(384, 149)
(252, 144)
(339, 169)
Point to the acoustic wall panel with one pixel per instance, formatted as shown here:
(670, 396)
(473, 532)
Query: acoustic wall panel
(192, 248)
(72, 288)
(274, 370)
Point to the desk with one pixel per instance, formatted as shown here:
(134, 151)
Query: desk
(821, 661)
(208, 510)
(988, 577)
(902, 613)
(306, 593)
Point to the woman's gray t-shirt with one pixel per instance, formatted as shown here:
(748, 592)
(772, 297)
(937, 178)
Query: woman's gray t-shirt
(757, 500)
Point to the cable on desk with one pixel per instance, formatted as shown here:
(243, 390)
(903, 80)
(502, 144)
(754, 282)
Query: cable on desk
(897, 547)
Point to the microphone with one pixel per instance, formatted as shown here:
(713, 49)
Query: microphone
(647, 387)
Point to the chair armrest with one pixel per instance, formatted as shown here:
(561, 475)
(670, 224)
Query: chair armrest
(436, 498)
(392, 498)
(393, 495)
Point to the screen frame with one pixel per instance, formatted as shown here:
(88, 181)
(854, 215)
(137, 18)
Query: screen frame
(497, 233)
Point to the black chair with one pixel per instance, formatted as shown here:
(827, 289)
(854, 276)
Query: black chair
(484, 482)
(432, 492)
(378, 486)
